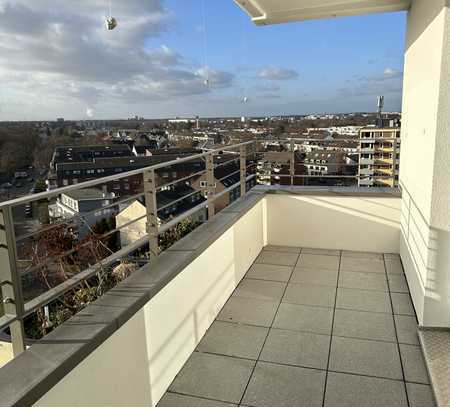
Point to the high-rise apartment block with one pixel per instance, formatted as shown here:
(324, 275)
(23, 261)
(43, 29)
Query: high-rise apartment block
(379, 157)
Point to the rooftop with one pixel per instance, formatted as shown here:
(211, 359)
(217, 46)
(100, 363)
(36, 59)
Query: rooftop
(88, 194)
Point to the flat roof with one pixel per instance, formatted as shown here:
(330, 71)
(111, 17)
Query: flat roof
(263, 12)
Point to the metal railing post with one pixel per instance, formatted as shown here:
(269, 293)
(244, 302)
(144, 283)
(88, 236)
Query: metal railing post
(211, 187)
(243, 167)
(292, 163)
(152, 210)
(10, 281)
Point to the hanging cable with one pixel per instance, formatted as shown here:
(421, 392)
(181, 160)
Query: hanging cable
(244, 59)
(110, 21)
(205, 46)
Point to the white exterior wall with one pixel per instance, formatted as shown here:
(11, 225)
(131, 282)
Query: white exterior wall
(334, 222)
(135, 366)
(425, 161)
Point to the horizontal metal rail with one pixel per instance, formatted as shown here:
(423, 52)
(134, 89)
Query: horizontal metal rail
(151, 190)
(56, 292)
(178, 200)
(76, 217)
(229, 175)
(329, 176)
(75, 249)
(169, 184)
(105, 180)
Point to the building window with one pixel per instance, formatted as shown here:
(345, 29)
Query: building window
(203, 184)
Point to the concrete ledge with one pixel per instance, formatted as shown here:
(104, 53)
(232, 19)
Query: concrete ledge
(328, 191)
(28, 377)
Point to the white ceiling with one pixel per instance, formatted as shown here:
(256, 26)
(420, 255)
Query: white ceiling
(281, 11)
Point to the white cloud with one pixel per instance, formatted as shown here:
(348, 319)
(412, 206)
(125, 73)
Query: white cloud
(278, 74)
(64, 53)
(392, 73)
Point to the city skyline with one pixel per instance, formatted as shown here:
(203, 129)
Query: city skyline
(64, 63)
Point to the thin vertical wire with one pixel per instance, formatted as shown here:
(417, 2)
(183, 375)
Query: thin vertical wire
(205, 41)
(244, 55)
(110, 9)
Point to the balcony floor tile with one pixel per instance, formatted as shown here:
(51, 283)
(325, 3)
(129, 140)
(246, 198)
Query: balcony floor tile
(179, 400)
(296, 348)
(420, 395)
(362, 255)
(315, 276)
(304, 318)
(310, 327)
(277, 258)
(284, 386)
(321, 261)
(316, 295)
(393, 266)
(402, 304)
(363, 357)
(344, 390)
(326, 252)
(366, 265)
(363, 300)
(270, 272)
(406, 329)
(397, 283)
(364, 325)
(282, 249)
(243, 341)
(363, 281)
(248, 311)
(260, 290)
(413, 364)
(216, 377)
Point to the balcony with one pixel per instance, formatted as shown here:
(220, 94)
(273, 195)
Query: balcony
(282, 269)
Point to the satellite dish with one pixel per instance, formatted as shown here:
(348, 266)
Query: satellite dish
(110, 23)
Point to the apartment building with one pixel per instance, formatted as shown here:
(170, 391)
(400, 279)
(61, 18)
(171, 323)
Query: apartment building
(324, 162)
(379, 157)
(90, 205)
(274, 168)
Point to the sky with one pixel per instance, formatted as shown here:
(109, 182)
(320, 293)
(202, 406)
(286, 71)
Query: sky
(170, 58)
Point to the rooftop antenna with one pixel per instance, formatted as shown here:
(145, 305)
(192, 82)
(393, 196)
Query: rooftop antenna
(206, 82)
(380, 105)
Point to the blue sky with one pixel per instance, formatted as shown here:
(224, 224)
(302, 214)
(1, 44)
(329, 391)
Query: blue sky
(66, 64)
(341, 62)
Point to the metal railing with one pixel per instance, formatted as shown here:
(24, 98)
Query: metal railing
(243, 171)
(17, 307)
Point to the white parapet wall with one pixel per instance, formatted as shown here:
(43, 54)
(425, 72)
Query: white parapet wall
(135, 366)
(360, 223)
(425, 163)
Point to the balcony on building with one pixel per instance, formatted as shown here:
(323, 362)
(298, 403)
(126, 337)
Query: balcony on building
(290, 295)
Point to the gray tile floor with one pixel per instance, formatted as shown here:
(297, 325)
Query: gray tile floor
(310, 328)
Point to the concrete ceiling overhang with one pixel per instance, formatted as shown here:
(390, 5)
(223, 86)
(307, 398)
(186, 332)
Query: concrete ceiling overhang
(265, 12)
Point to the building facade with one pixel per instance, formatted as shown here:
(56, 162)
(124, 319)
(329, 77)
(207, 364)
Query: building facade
(379, 157)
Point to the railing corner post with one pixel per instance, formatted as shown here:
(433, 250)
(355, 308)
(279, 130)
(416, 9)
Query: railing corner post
(292, 163)
(243, 168)
(211, 186)
(152, 210)
(11, 287)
